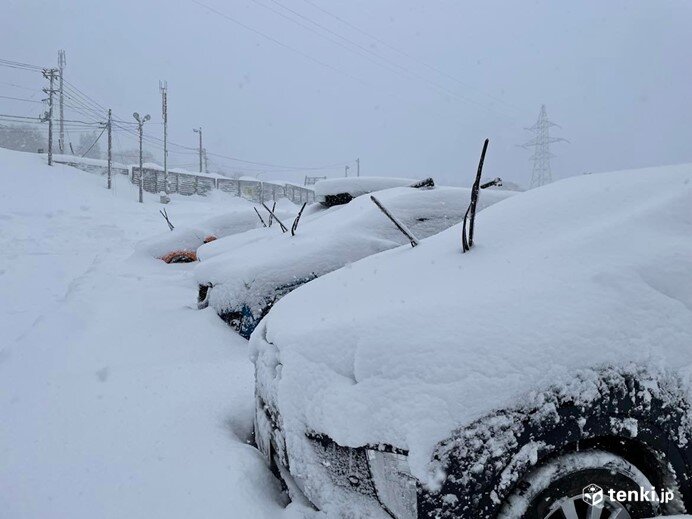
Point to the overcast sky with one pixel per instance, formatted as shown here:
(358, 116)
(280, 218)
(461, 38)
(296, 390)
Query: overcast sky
(410, 87)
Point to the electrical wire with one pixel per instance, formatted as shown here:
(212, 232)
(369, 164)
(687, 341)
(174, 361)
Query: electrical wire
(280, 43)
(91, 109)
(384, 62)
(94, 144)
(19, 86)
(404, 53)
(18, 65)
(21, 99)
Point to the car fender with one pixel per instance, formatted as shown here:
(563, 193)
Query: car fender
(643, 415)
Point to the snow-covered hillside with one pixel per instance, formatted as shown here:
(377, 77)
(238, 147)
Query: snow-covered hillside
(117, 399)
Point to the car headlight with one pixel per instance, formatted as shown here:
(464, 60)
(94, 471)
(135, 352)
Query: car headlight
(396, 488)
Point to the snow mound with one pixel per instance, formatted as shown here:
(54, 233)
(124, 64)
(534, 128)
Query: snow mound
(405, 346)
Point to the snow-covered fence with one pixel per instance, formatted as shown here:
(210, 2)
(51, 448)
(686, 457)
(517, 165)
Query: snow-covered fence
(299, 194)
(188, 183)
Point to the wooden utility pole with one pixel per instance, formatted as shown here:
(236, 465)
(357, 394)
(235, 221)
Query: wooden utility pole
(50, 73)
(357, 167)
(110, 146)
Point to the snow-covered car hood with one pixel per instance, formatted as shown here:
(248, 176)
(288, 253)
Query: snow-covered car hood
(235, 242)
(248, 275)
(407, 345)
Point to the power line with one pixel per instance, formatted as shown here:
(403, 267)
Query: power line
(22, 99)
(19, 117)
(280, 43)
(38, 119)
(94, 144)
(403, 53)
(91, 109)
(18, 65)
(19, 86)
(387, 63)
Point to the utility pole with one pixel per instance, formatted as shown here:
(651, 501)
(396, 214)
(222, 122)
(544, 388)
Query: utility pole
(49, 73)
(140, 124)
(163, 88)
(200, 146)
(357, 167)
(206, 161)
(61, 65)
(346, 171)
(541, 174)
(110, 145)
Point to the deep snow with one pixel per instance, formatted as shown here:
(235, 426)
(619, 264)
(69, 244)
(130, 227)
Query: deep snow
(405, 346)
(251, 274)
(117, 398)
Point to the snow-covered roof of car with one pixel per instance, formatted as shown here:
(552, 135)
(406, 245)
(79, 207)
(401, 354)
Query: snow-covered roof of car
(356, 186)
(407, 345)
(245, 276)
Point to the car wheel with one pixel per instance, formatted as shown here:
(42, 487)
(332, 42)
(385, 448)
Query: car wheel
(578, 486)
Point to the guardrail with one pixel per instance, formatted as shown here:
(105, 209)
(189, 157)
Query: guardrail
(186, 183)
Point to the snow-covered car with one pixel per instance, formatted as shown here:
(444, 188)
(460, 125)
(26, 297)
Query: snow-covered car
(338, 191)
(541, 374)
(243, 283)
(330, 194)
(180, 245)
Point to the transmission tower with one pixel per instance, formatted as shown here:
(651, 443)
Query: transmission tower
(541, 155)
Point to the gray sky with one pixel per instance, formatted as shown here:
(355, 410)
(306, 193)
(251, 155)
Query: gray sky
(615, 75)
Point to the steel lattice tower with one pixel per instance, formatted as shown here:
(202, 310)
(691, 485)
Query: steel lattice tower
(541, 143)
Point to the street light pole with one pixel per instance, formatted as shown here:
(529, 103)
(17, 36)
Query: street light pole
(140, 125)
(200, 146)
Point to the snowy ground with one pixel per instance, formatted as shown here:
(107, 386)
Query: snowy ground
(117, 398)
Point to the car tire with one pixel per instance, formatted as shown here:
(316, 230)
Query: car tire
(555, 490)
